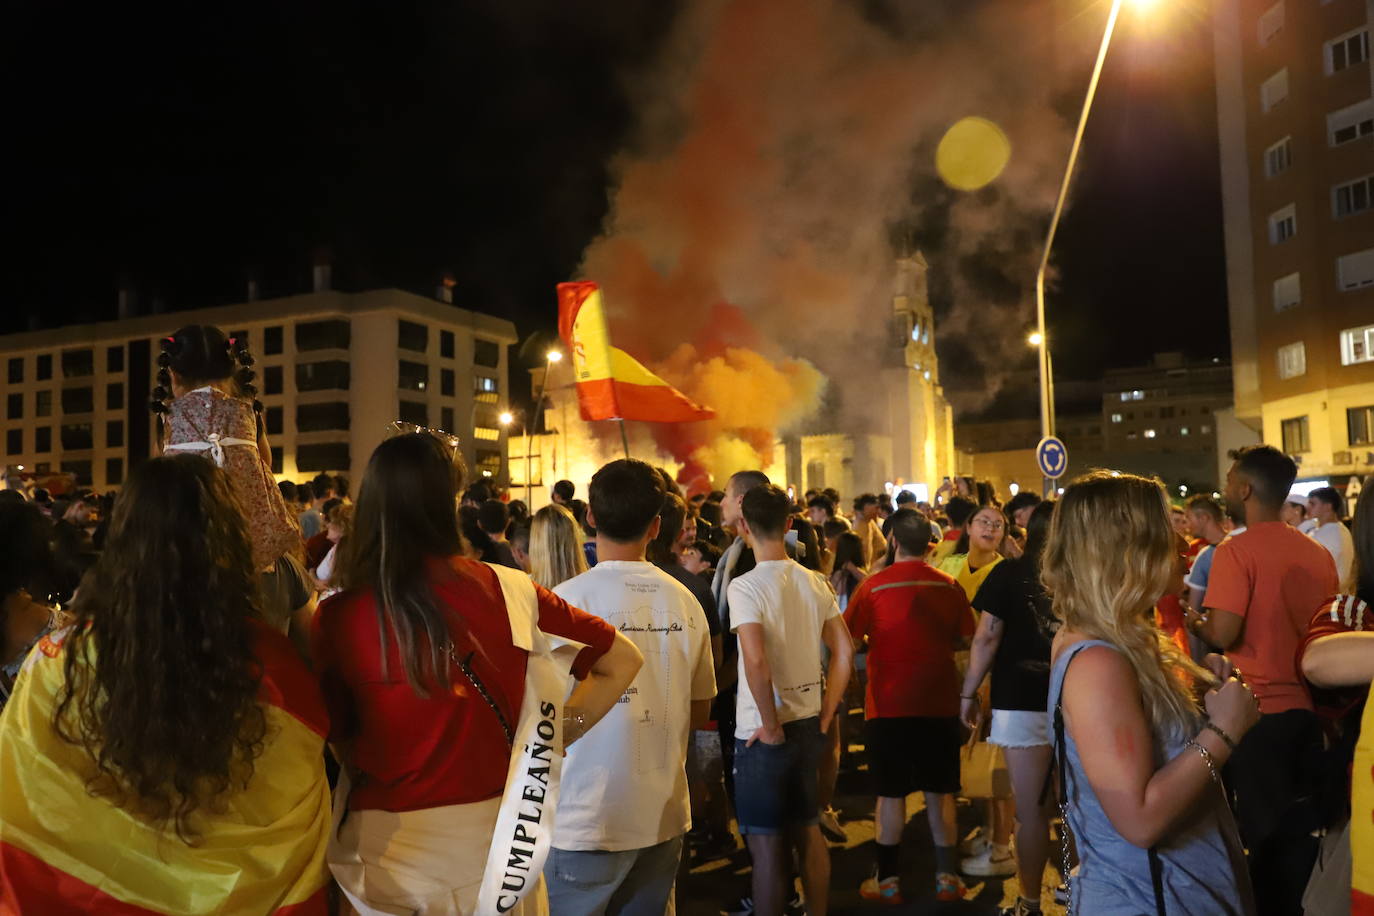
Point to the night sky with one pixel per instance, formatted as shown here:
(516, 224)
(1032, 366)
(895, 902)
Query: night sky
(179, 149)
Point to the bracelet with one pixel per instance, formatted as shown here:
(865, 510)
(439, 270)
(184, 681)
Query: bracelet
(963, 697)
(1213, 727)
(1207, 759)
(574, 725)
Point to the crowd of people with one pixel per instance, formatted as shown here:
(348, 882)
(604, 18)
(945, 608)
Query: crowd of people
(222, 694)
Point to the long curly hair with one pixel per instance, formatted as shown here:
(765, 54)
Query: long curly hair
(1109, 558)
(161, 680)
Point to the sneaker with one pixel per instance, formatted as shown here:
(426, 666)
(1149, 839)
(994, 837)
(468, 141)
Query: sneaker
(975, 844)
(994, 863)
(831, 827)
(1019, 908)
(745, 907)
(888, 890)
(949, 887)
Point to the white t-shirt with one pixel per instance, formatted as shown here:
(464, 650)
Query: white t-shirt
(1336, 538)
(625, 781)
(792, 603)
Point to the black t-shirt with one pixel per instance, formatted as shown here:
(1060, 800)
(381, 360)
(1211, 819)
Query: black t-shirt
(1021, 669)
(701, 590)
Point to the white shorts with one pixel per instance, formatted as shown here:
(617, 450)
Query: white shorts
(1020, 728)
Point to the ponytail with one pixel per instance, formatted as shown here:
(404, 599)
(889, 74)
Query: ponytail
(244, 376)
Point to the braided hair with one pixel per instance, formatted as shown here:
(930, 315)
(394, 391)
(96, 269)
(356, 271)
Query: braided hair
(201, 354)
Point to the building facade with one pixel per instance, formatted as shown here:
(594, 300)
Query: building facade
(334, 370)
(1295, 102)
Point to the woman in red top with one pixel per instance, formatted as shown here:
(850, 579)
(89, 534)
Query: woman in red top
(424, 683)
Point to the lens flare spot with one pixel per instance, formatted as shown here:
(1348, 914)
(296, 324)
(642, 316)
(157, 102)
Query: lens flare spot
(972, 154)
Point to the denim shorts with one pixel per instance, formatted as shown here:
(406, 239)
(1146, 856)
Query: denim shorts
(775, 784)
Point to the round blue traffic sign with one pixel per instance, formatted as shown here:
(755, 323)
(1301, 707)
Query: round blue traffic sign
(1052, 457)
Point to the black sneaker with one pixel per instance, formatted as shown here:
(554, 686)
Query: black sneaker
(745, 907)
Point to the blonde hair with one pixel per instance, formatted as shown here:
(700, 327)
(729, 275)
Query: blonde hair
(1109, 558)
(555, 547)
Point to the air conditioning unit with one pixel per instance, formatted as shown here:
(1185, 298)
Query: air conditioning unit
(1343, 458)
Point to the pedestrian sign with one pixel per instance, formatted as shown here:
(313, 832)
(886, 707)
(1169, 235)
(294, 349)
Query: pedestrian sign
(1052, 457)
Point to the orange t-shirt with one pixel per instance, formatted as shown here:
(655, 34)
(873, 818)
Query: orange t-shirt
(914, 617)
(1272, 576)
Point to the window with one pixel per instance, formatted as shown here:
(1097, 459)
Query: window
(1352, 197)
(486, 353)
(1274, 90)
(277, 455)
(1348, 50)
(412, 376)
(1183, 430)
(43, 367)
(272, 380)
(114, 396)
(1283, 225)
(1295, 435)
(271, 341)
(42, 439)
(416, 412)
(486, 385)
(16, 370)
(272, 419)
(78, 400)
(1355, 270)
(412, 336)
(114, 359)
(322, 376)
(14, 407)
(323, 456)
(1351, 123)
(42, 403)
(81, 470)
(114, 471)
(77, 436)
(1149, 434)
(331, 334)
(1357, 345)
(1287, 292)
(446, 418)
(14, 442)
(486, 433)
(1270, 24)
(1359, 425)
(1292, 360)
(1278, 158)
(42, 467)
(488, 462)
(1116, 418)
(78, 363)
(114, 434)
(446, 382)
(314, 417)
(446, 344)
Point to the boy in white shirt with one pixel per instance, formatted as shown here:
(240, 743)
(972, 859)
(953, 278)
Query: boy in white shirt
(624, 806)
(782, 612)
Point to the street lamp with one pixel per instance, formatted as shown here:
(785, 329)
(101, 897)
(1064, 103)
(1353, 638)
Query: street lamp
(505, 418)
(550, 358)
(1046, 405)
(1038, 340)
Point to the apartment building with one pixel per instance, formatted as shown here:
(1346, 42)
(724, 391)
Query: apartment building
(334, 370)
(1295, 101)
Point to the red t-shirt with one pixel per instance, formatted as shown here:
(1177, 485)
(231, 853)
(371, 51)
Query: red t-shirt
(1273, 576)
(914, 617)
(1340, 614)
(447, 749)
(316, 548)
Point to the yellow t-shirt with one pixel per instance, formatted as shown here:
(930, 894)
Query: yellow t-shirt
(1362, 818)
(957, 566)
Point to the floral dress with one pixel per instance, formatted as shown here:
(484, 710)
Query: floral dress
(224, 429)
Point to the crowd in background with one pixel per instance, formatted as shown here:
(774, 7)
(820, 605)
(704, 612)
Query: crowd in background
(266, 697)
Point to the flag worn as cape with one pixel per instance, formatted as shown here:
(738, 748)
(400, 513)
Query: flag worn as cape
(611, 384)
(65, 851)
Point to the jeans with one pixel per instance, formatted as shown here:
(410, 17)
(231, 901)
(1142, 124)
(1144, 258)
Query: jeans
(632, 882)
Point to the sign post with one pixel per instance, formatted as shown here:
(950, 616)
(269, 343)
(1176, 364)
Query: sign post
(1053, 458)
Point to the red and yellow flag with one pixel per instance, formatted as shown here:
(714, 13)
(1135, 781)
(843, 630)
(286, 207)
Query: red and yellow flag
(65, 851)
(612, 384)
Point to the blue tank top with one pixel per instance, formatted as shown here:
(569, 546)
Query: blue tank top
(1201, 863)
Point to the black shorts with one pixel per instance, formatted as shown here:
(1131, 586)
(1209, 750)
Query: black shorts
(913, 754)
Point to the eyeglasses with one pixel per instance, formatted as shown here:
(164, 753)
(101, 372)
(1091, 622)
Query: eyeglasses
(989, 524)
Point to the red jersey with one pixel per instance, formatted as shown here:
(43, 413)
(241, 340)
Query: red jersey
(915, 618)
(449, 748)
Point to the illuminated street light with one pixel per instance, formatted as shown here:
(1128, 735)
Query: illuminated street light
(1035, 339)
(506, 418)
(553, 356)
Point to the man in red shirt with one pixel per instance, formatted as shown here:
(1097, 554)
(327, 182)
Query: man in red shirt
(1263, 586)
(914, 618)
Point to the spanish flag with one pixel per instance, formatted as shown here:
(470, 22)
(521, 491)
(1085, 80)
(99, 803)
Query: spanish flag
(64, 851)
(1362, 818)
(612, 384)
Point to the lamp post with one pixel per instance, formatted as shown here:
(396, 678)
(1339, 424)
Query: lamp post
(550, 358)
(1038, 340)
(506, 418)
(1046, 383)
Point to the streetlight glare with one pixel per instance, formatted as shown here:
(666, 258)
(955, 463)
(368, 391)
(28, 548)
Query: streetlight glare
(553, 356)
(1035, 339)
(506, 418)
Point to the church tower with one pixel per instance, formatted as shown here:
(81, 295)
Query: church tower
(918, 416)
